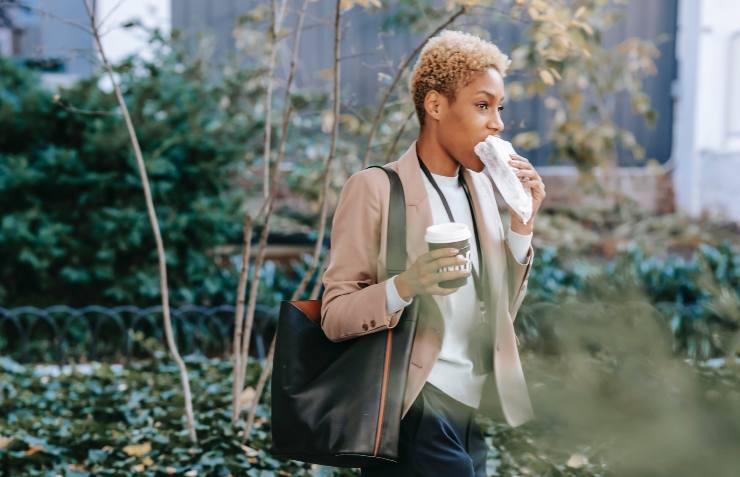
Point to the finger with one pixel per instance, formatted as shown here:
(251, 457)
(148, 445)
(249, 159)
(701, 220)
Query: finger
(431, 262)
(531, 174)
(536, 184)
(457, 260)
(521, 164)
(451, 275)
(437, 266)
(440, 253)
(520, 158)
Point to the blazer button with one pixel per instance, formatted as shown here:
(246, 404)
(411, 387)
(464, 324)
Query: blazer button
(364, 326)
(498, 347)
(372, 322)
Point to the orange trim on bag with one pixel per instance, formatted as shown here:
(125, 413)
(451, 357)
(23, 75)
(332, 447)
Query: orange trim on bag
(310, 308)
(383, 392)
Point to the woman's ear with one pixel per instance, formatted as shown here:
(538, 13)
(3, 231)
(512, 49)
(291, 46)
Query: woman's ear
(433, 104)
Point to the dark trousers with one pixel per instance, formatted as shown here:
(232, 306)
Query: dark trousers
(439, 437)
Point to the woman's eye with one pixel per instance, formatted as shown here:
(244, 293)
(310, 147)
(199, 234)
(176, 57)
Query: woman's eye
(482, 105)
(501, 108)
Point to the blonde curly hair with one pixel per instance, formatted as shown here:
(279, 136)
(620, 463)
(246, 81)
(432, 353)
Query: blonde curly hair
(448, 62)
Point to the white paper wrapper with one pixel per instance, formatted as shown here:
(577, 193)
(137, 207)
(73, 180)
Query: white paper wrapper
(495, 153)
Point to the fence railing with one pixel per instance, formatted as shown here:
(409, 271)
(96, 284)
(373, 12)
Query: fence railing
(92, 333)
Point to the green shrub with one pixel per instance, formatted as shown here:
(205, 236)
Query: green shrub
(73, 226)
(698, 297)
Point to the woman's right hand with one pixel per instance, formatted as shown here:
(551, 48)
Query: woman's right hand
(423, 278)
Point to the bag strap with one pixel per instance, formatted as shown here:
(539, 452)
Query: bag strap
(395, 253)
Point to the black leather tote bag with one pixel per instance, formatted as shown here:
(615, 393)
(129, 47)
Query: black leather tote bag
(340, 404)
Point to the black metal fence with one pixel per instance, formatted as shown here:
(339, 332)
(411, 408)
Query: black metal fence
(63, 334)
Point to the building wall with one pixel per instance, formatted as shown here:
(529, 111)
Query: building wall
(366, 54)
(46, 34)
(707, 127)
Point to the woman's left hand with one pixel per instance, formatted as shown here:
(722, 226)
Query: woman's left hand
(531, 180)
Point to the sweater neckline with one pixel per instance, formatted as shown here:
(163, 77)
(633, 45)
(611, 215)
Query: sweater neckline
(446, 181)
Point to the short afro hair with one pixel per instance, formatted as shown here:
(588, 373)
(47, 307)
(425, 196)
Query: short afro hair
(449, 61)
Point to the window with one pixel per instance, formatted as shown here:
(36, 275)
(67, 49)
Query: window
(733, 72)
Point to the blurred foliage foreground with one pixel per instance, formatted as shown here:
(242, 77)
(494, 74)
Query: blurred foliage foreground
(624, 408)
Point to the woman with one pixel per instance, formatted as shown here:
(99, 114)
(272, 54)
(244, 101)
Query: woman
(458, 90)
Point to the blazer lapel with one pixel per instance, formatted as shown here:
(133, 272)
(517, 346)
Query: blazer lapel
(418, 210)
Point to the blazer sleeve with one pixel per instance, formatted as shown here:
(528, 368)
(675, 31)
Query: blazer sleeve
(354, 303)
(518, 278)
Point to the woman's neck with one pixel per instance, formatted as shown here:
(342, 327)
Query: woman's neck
(435, 157)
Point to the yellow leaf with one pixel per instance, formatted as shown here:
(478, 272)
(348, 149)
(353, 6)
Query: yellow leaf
(551, 102)
(249, 451)
(34, 449)
(515, 90)
(547, 78)
(347, 4)
(327, 123)
(465, 3)
(574, 101)
(585, 27)
(527, 140)
(138, 450)
(577, 461)
(579, 13)
(352, 122)
(327, 74)
(247, 396)
(5, 441)
(384, 78)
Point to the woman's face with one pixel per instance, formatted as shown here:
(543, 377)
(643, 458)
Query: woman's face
(474, 115)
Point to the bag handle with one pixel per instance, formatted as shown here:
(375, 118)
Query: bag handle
(395, 253)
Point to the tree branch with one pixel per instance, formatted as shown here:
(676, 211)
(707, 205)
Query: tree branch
(241, 359)
(397, 78)
(317, 285)
(267, 367)
(172, 345)
(275, 25)
(239, 365)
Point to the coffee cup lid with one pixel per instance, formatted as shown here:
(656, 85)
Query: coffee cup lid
(447, 233)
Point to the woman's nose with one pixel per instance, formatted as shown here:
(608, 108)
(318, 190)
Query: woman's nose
(495, 124)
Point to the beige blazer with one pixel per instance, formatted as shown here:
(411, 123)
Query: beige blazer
(354, 301)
